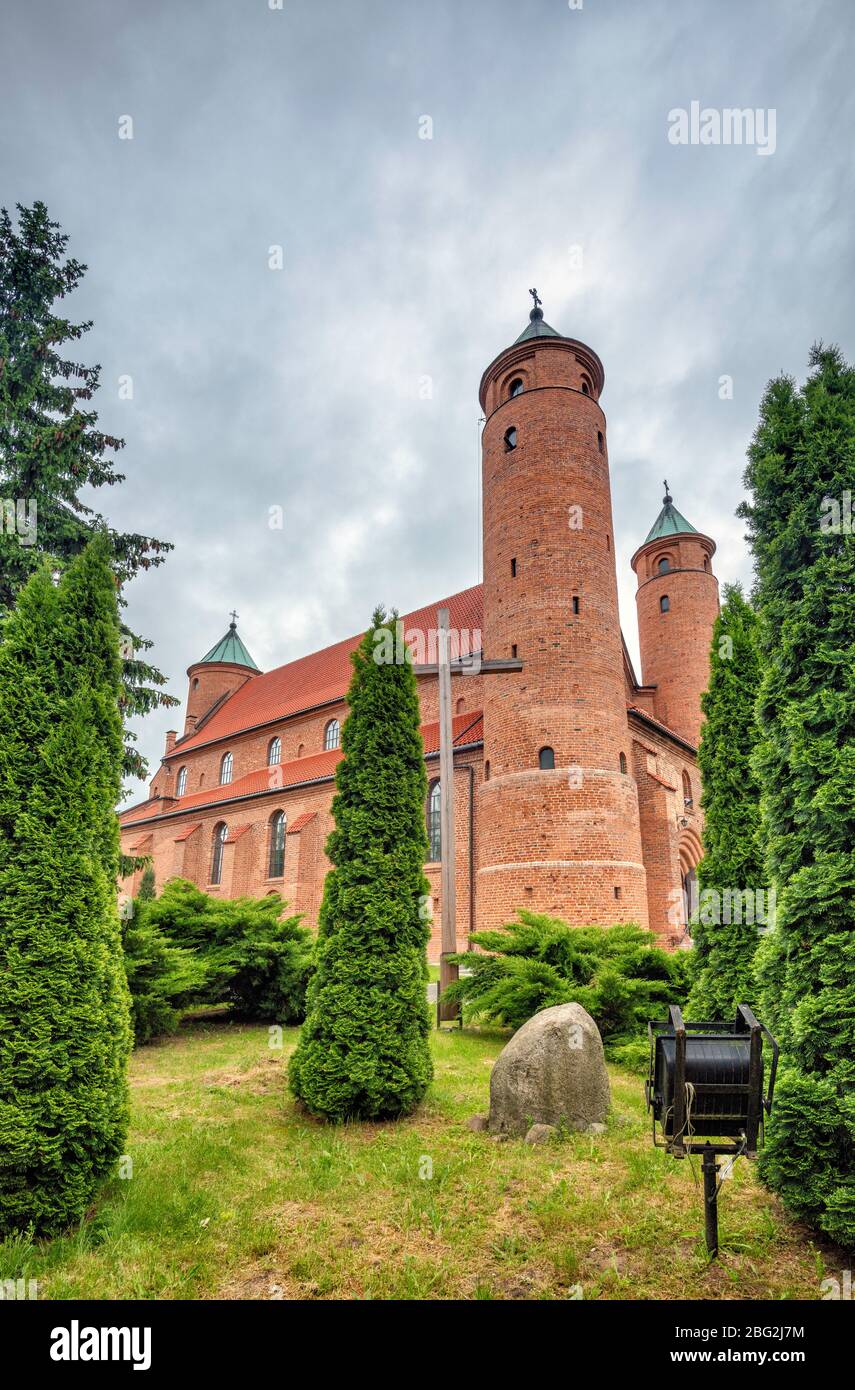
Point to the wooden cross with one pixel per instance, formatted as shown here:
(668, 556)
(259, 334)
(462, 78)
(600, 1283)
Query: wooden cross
(444, 670)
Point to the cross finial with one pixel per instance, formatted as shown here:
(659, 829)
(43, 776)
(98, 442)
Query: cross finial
(234, 617)
(667, 499)
(537, 299)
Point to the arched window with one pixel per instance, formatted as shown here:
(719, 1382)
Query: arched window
(623, 763)
(301, 750)
(274, 752)
(601, 443)
(460, 706)
(181, 783)
(688, 798)
(586, 390)
(226, 767)
(487, 770)
(220, 837)
(546, 759)
(332, 735)
(664, 604)
(664, 565)
(511, 437)
(276, 860)
(516, 387)
(434, 823)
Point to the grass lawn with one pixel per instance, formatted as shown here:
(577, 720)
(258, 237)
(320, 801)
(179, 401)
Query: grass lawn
(236, 1195)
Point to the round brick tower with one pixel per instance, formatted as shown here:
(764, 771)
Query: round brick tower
(677, 601)
(558, 819)
(221, 671)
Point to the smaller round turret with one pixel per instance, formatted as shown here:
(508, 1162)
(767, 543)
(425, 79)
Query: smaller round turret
(221, 671)
(677, 601)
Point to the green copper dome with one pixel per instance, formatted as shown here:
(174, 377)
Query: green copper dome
(230, 648)
(669, 522)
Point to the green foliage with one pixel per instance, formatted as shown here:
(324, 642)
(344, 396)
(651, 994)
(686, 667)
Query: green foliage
(721, 961)
(64, 1011)
(802, 455)
(364, 1051)
(616, 973)
(50, 445)
(163, 979)
(252, 957)
(148, 886)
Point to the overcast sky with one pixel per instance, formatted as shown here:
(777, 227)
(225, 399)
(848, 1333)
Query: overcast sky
(404, 258)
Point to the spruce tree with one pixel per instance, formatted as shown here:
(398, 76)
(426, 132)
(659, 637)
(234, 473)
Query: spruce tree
(50, 444)
(721, 960)
(64, 1010)
(364, 1049)
(801, 477)
(148, 885)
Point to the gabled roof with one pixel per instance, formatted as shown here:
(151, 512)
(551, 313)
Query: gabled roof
(323, 677)
(229, 648)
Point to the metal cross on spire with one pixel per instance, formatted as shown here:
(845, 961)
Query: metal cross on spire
(667, 498)
(234, 617)
(536, 297)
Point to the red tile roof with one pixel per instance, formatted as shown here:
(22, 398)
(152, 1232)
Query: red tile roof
(467, 729)
(324, 676)
(187, 831)
(651, 719)
(237, 834)
(301, 822)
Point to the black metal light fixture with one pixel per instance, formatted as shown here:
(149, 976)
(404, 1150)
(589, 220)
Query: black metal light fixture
(705, 1088)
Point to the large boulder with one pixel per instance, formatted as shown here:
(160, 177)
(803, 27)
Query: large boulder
(552, 1072)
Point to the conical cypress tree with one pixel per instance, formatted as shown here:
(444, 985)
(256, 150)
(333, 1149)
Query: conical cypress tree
(64, 1009)
(721, 961)
(801, 475)
(364, 1050)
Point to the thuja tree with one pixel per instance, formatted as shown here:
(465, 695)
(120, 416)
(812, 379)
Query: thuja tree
(51, 446)
(801, 475)
(364, 1050)
(64, 1018)
(731, 875)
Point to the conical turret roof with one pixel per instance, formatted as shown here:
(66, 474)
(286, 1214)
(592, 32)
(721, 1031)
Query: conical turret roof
(230, 649)
(669, 522)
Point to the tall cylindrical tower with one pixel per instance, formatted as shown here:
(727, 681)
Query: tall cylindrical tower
(677, 601)
(558, 818)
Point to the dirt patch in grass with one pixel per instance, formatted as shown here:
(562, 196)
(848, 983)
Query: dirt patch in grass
(258, 1079)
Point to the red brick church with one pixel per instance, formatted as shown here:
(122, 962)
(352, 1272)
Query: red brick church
(576, 786)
